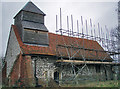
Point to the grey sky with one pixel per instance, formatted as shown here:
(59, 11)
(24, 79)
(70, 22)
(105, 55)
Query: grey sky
(102, 12)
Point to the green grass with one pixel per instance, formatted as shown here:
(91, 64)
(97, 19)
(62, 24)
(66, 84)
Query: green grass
(113, 83)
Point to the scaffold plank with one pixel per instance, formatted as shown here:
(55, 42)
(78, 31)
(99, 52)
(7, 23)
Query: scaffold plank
(86, 62)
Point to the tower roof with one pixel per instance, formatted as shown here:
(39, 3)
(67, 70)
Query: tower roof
(31, 7)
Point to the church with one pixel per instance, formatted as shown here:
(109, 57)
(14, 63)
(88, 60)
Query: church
(37, 57)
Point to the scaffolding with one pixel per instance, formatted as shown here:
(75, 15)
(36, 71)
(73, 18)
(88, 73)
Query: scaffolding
(74, 48)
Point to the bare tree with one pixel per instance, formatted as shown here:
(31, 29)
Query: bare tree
(115, 46)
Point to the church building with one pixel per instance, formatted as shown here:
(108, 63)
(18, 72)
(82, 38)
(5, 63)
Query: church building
(37, 57)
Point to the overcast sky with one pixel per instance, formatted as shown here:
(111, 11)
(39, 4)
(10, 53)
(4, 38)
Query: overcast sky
(102, 11)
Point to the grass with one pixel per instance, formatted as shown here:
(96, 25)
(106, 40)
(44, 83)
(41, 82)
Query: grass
(112, 83)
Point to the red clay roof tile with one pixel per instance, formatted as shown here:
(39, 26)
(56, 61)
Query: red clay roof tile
(55, 39)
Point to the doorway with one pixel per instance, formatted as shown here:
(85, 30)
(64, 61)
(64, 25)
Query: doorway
(56, 77)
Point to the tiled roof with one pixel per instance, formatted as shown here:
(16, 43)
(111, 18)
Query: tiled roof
(55, 39)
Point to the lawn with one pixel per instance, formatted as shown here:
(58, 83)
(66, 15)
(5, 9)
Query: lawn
(113, 83)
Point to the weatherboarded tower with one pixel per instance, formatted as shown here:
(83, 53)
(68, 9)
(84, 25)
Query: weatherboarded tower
(30, 22)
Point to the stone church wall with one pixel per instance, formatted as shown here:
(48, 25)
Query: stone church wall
(46, 69)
